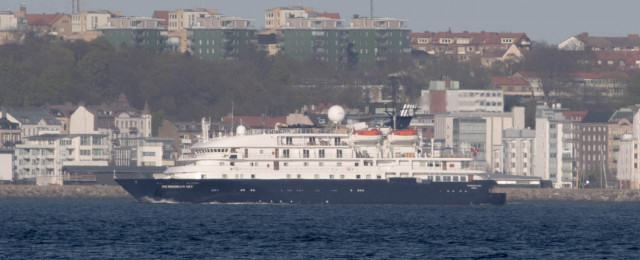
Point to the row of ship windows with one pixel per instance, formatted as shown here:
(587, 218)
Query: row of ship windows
(318, 190)
(436, 178)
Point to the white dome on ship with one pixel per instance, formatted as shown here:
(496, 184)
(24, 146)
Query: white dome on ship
(241, 130)
(336, 114)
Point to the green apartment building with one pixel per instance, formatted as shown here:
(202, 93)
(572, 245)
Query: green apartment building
(135, 31)
(328, 45)
(371, 41)
(215, 44)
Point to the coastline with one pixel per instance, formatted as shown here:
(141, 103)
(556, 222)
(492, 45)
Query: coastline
(513, 194)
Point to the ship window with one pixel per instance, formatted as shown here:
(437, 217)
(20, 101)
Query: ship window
(437, 164)
(455, 178)
(306, 164)
(251, 164)
(446, 178)
(312, 140)
(331, 176)
(341, 176)
(232, 163)
(321, 153)
(422, 164)
(378, 176)
(368, 176)
(261, 151)
(285, 153)
(463, 178)
(430, 164)
(358, 176)
(339, 153)
(221, 163)
(305, 153)
(288, 176)
(242, 190)
(253, 176)
(339, 164)
(299, 176)
(286, 164)
(438, 178)
(316, 176)
(355, 164)
(289, 140)
(224, 176)
(321, 164)
(336, 141)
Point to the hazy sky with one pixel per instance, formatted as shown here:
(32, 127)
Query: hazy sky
(542, 20)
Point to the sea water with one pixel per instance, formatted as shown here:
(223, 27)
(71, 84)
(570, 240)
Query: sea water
(126, 229)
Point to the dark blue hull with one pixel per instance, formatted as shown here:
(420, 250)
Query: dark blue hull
(405, 191)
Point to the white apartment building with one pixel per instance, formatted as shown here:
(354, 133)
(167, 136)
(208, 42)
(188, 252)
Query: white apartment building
(40, 158)
(8, 21)
(515, 156)
(446, 96)
(628, 173)
(140, 151)
(554, 147)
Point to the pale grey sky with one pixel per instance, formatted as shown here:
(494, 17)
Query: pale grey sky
(542, 20)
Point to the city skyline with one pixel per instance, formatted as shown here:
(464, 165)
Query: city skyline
(566, 18)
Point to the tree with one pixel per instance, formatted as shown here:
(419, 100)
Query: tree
(552, 66)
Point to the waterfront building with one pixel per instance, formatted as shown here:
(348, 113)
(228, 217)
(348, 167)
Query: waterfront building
(9, 133)
(515, 155)
(33, 121)
(143, 151)
(13, 26)
(40, 158)
(554, 152)
(276, 18)
(184, 134)
(628, 174)
(592, 146)
(619, 124)
(476, 133)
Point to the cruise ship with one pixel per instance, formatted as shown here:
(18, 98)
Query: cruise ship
(337, 165)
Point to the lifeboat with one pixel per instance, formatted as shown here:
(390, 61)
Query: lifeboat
(404, 136)
(368, 136)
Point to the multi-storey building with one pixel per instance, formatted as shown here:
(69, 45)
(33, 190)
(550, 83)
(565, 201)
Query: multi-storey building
(276, 18)
(476, 133)
(469, 46)
(86, 25)
(584, 42)
(628, 174)
(147, 151)
(620, 123)
(446, 96)
(179, 21)
(33, 121)
(218, 37)
(135, 31)
(58, 25)
(40, 158)
(515, 156)
(13, 26)
(319, 38)
(516, 87)
(374, 40)
(592, 146)
(600, 84)
(9, 133)
(554, 147)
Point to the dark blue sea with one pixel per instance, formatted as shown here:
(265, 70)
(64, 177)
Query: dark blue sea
(126, 229)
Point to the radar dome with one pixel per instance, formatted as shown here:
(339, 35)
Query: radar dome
(336, 114)
(240, 130)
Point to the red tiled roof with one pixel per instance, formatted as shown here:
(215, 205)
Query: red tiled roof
(164, 15)
(475, 38)
(601, 75)
(43, 19)
(529, 74)
(509, 81)
(575, 115)
(329, 15)
(628, 57)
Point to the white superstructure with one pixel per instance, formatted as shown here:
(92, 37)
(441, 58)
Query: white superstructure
(310, 153)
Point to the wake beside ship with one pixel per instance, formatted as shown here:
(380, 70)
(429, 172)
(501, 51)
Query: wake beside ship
(316, 166)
